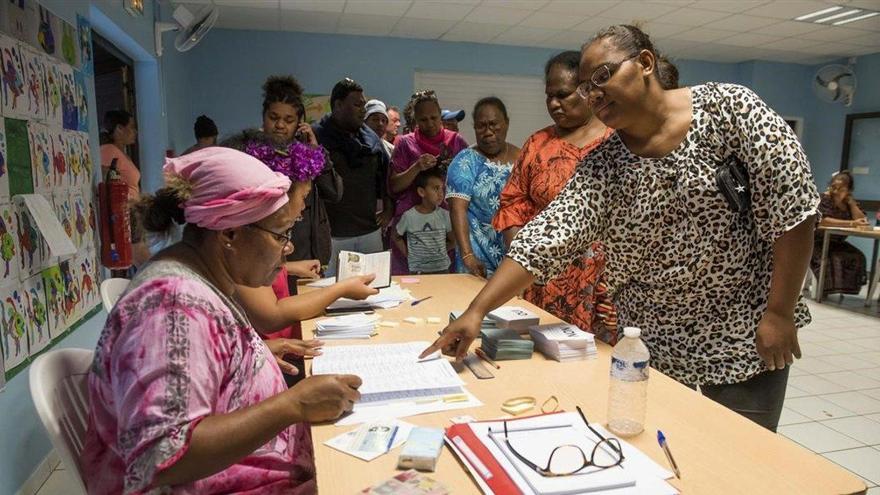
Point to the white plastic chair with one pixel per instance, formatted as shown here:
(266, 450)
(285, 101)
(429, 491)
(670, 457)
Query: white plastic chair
(59, 389)
(111, 290)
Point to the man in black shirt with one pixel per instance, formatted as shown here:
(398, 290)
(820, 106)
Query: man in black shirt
(360, 160)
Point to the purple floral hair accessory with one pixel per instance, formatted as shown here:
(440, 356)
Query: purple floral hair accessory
(299, 161)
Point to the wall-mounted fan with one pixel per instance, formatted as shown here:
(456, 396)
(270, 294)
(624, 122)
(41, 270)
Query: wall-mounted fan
(192, 28)
(835, 83)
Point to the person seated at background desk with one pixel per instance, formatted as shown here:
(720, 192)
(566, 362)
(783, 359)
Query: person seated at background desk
(183, 393)
(845, 271)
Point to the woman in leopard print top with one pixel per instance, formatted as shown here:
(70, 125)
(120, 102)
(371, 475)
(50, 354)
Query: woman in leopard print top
(716, 294)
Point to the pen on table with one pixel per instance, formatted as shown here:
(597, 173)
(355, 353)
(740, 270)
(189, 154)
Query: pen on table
(420, 300)
(391, 439)
(482, 355)
(661, 439)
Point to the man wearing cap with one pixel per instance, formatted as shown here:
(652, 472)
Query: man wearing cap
(451, 118)
(377, 120)
(361, 161)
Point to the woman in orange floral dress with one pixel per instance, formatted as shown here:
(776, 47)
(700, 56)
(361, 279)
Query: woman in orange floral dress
(545, 165)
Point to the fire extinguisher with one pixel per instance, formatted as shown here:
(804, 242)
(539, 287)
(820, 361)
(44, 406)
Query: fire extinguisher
(115, 223)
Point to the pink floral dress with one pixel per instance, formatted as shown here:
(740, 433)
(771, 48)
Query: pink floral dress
(175, 350)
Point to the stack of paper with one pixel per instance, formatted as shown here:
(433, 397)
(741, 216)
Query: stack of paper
(514, 317)
(563, 342)
(487, 322)
(353, 326)
(389, 297)
(504, 344)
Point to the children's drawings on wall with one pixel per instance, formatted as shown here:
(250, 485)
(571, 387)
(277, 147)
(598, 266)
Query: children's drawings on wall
(14, 326)
(4, 164)
(84, 38)
(45, 66)
(32, 248)
(37, 314)
(16, 99)
(55, 300)
(9, 260)
(40, 142)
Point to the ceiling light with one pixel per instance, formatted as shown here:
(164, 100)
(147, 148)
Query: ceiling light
(854, 19)
(818, 13)
(838, 16)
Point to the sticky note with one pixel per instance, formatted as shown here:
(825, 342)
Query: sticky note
(434, 320)
(388, 324)
(409, 280)
(413, 320)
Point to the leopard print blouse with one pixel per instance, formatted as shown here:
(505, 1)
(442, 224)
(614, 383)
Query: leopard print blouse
(692, 274)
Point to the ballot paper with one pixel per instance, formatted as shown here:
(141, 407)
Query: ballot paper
(563, 342)
(353, 326)
(370, 440)
(388, 297)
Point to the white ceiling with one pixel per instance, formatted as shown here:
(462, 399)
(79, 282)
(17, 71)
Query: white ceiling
(714, 30)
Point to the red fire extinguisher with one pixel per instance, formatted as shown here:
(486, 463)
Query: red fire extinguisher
(115, 226)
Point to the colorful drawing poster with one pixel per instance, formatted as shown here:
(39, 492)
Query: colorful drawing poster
(58, 153)
(69, 110)
(89, 282)
(46, 32)
(32, 253)
(9, 261)
(83, 234)
(35, 78)
(17, 18)
(54, 285)
(40, 142)
(77, 158)
(69, 43)
(63, 207)
(86, 55)
(54, 114)
(80, 101)
(13, 326)
(37, 313)
(71, 300)
(4, 164)
(18, 153)
(15, 95)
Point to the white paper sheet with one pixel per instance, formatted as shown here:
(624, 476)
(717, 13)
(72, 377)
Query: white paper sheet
(322, 282)
(365, 413)
(49, 225)
(649, 475)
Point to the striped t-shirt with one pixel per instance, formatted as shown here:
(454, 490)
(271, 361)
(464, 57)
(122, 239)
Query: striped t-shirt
(426, 239)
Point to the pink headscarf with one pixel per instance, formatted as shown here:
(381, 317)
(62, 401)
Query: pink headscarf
(224, 188)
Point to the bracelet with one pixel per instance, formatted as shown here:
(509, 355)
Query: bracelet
(469, 255)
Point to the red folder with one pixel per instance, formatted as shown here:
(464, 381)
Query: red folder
(499, 482)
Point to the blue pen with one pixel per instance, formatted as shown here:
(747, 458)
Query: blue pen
(420, 300)
(391, 439)
(661, 439)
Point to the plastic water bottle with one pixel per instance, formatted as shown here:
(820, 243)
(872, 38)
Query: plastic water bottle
(628, 392)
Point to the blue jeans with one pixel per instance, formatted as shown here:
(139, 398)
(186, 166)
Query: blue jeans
(364, 244)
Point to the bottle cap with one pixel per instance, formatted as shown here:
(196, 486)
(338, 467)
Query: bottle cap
(632, 332)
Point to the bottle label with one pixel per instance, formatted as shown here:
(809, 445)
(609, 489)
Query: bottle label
(629, 371)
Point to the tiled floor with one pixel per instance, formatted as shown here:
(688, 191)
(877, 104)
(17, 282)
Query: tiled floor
(832, 404)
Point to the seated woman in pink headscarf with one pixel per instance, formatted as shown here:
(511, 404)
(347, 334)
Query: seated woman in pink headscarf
(428, 146)
(184, 395)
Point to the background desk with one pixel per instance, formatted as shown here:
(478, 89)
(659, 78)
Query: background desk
(867, 233)
(717, 450)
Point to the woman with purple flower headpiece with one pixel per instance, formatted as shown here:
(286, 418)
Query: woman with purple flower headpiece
(272, 311)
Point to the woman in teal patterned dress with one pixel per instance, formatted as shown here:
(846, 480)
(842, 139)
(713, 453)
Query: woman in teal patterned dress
(473, 187)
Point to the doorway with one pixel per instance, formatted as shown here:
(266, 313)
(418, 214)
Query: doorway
(114, 84)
